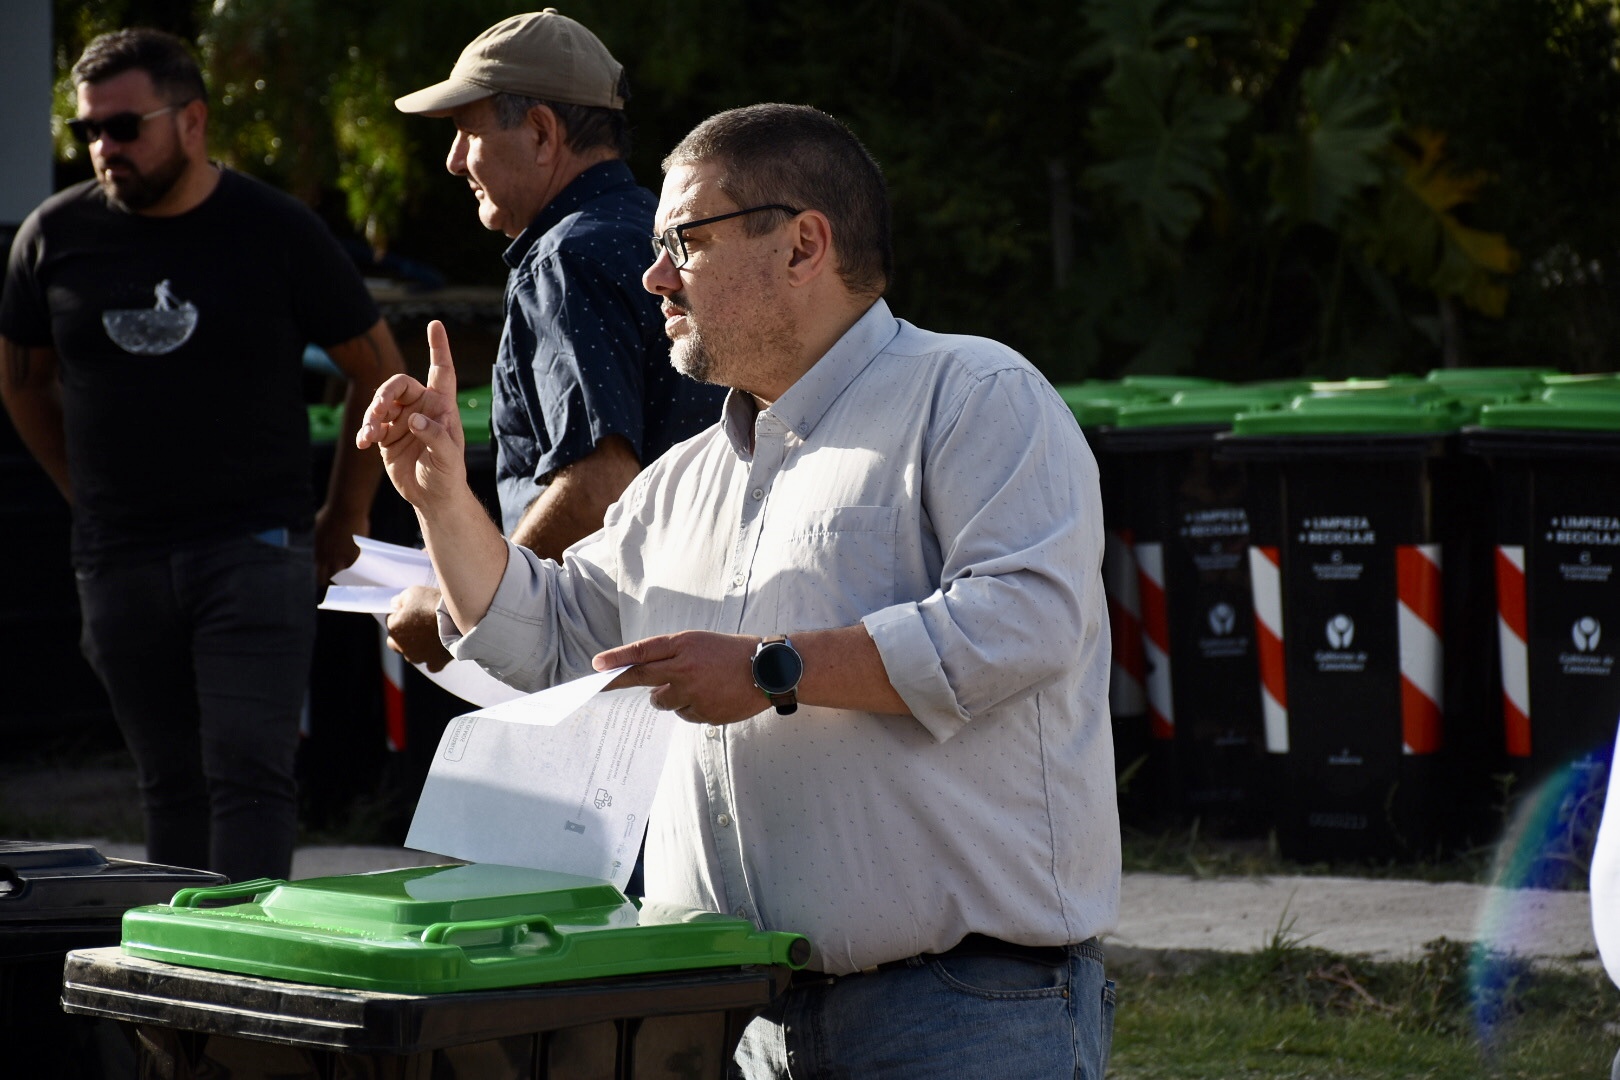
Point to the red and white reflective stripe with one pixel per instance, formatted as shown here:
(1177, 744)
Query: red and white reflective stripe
(1419, 634)
(1265, 583)
(393, 670)
(1126, 696)
(1156, 639)
(1513, 635)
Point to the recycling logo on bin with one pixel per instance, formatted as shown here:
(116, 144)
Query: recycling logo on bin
(1340, 632)
(1586, 634)
(1223, 641)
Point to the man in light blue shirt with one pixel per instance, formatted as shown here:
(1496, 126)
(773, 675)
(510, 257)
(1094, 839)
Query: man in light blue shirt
(873, 591)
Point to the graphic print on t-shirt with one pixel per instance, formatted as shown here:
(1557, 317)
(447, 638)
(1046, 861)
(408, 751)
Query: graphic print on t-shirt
(154, 331)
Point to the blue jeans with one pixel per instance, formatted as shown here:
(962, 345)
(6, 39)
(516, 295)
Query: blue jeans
(205, 653)
(939, 1017)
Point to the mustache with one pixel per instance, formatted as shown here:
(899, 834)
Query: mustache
(117, 159)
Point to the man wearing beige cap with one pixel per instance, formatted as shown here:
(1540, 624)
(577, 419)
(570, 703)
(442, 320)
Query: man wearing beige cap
(583, 393)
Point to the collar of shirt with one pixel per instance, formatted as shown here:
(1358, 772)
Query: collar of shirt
(605, 178)
(808, 399)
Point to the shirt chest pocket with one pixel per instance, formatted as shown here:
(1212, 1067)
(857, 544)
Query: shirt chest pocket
(834, 566)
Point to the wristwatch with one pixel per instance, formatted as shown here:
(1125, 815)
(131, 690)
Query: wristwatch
(777, 671)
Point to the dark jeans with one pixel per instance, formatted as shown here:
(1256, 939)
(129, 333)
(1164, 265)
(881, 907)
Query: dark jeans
(938, 1018)
(205, 654)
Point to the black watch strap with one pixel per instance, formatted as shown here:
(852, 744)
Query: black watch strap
(786, 702)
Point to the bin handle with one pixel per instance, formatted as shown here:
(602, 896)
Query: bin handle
(197, 896)
(436, 933)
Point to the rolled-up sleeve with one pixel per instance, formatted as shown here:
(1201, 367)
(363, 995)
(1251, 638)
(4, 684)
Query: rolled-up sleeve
(1011, 491)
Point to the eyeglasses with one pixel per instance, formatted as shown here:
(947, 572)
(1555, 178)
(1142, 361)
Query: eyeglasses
(121, 127)
(672, 240)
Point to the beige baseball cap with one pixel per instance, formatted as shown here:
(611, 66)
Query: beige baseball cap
(540, 55)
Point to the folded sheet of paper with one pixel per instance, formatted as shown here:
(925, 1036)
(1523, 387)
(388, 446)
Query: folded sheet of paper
(560, 780)
(381, 572)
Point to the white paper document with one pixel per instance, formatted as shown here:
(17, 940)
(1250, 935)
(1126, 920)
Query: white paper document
(560, 780)
(369, 586)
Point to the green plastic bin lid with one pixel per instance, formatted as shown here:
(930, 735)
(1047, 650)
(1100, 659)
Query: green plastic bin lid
(432, 929)
(1558, 387)
(1169, 384)
(1096, 402)
(474, 405)
(1379, 413)
(325, 423)
(1560, 408)
(1208, 406)
(1482, 377)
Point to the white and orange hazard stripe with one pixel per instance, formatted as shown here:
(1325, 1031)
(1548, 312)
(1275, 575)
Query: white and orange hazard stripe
(1418, 625)
(1513, 634)
(1126, 695)
(393, 670)
(1265, 584)
(1156, 639)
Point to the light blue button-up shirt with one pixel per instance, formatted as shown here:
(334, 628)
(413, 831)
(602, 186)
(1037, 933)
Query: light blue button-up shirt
(937, 490)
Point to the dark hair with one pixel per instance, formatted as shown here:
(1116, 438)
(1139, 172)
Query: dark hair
(588, 126)
(164, 57)
(800, 156)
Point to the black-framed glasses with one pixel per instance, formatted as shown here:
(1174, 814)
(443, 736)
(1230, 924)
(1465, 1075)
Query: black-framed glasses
(120, 127)
(672, 241)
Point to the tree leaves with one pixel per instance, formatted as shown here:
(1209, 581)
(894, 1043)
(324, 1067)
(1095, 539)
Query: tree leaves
(1339, 150)
(1162, 139)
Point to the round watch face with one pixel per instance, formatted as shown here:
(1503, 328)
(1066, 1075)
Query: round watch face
(777, 668)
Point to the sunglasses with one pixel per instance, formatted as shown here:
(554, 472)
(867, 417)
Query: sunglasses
(120, 127)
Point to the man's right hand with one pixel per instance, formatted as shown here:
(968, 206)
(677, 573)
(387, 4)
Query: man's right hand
(418, 428)
(413, 627)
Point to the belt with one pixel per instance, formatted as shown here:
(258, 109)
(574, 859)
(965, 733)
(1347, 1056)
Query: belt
(972, 945)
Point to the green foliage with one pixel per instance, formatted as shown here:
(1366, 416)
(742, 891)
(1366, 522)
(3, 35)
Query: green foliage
(1162, 144)
(1237, 188)
(1320, 170)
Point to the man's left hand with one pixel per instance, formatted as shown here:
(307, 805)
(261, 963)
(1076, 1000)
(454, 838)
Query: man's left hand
(335, 548)
(703, 677)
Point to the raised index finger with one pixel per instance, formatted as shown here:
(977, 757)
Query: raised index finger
(441, 365)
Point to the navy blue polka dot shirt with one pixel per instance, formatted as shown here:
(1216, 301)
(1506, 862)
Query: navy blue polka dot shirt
(583, 354)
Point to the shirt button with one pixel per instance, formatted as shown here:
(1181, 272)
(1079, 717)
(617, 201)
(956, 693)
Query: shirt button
(711, 731)
(759, 493)
(723, 820)
(737, 581)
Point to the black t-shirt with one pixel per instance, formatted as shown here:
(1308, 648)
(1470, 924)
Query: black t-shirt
(179, 343)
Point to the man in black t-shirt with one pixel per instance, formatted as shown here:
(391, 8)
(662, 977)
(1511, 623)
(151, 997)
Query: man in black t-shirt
(135, 305)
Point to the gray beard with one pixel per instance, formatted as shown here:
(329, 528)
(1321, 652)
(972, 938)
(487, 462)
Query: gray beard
(692, 358)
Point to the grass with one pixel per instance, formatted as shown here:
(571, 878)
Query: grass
(1175, 847)
(1290, 1011)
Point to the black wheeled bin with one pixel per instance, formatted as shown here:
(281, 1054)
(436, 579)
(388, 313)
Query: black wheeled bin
(1183, 512)
(1362, 567)
(1555, 467)
(1096, 406)
(54, 898)
(480, 971)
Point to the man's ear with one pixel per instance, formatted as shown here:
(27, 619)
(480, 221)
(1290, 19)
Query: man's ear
(810, 249)
(548, 132)
(194, 124)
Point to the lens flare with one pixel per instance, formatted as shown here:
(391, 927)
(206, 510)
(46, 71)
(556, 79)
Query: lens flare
(1548, 844)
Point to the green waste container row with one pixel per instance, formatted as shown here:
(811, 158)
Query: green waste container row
(1302, 580)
